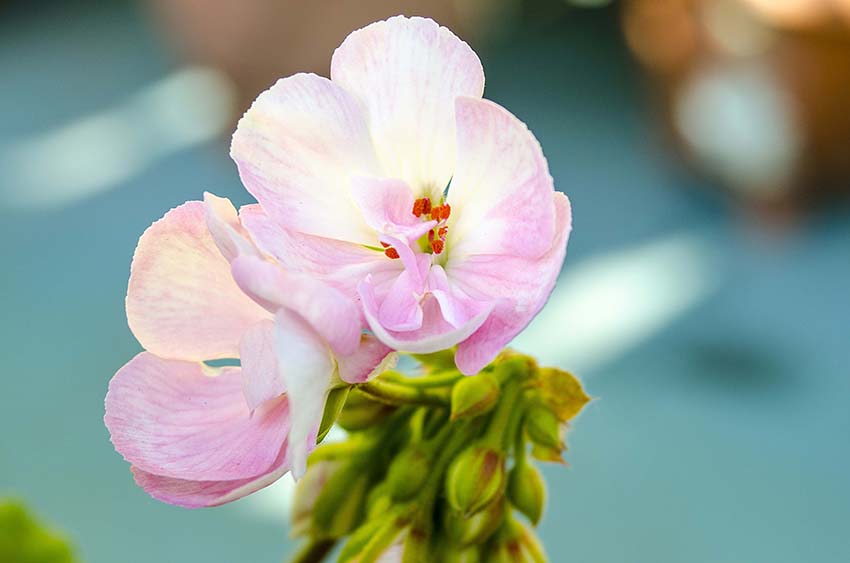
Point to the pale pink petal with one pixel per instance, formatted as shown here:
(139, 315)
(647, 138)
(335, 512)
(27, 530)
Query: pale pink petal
(182, 301)
(436, 334)
(371, 359)
(307, 367)
(400, 308)
(521, 285)
(341, 265)
(223, 224)
(200, 494)
(501, 193)
(456, 307)
(261, 377)
(387, 206)
(187, 421)
(331, 314)
(407, 72)
(297, 148)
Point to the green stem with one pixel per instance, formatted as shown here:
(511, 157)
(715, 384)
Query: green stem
(441, 379)
(505, 412)
(397, 394)
(314, 551)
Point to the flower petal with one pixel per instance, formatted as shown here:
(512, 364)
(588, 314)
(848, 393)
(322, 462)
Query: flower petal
(307, 369)
(387, 206)
(200, 494)
(174, 419)
(261, 377)
(371, 359)
(408, 72)
(522, 286)
(223, 224)
(436, 334)
(501, 193)
(297, 148)
(182, 301)
(327, 311)
(341, 265)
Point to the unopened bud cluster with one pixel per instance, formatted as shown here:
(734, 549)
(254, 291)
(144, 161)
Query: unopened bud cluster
(438, 467)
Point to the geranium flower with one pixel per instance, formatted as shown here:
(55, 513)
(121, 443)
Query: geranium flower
(397, 184)
(200, 290)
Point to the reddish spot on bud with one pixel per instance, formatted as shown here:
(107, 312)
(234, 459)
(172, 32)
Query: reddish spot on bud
(437, 246)
(422, 206)
(392, 253)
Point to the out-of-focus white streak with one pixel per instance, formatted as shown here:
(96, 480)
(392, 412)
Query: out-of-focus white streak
(605, 306)
(100, 151)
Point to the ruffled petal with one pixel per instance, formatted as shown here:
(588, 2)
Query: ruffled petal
(261, 377)
(387, 206)
(200, 494)
(407, 72)
(341, 265)
(371, 359)
(521, 286)
(187, 421)
(327, 311)
(435, 334)
(182, 302)
(307, 369)
(297, 148)
(501, 193)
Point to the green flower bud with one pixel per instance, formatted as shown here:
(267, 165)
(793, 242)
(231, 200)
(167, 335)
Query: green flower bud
(379, 501)
(527, 490)
(380, 538)
(454, 554)
(408, 472)
(360, 412)
(474, 395)
(333, 406)
(475, 479)
(544, 428)
(340, 505)
(515, 543)
(416, 547)
(307, 492)
(475, 529)
(549, 455)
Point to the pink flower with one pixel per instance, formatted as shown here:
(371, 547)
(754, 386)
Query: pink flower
(201, 290)
(397, 184)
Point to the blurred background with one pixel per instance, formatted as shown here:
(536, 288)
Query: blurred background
(705, 145)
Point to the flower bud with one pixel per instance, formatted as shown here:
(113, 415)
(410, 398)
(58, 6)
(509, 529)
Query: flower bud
(515, 543)
(475, 529)
(408, 472)
(454, 554)
(544, 428)
(362, 412)
(527, 490)
(380, 540)
(307, 491)
(379, 501)
(475, 479)
(474, 395)
(549, 455)
(340, 505)
(416, 548)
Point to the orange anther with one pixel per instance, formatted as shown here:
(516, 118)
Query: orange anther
(441, 212)
(392, 253)
(441, 232)
(437, 246)
(385, 245)
(422, 206)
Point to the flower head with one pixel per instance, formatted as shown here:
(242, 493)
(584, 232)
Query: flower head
(396, 183)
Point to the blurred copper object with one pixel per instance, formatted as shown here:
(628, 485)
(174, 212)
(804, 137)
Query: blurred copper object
(753, 92)
(257, 41)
